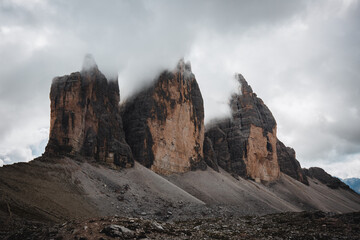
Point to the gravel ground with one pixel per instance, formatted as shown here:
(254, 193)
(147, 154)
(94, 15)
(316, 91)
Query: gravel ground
(303, 225)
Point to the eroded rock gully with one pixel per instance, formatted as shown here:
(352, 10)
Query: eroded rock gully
(245, 144)
(164, 127)
(85, 117)
(164, 124)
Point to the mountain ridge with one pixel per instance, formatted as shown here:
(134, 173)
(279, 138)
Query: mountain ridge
(154, 158)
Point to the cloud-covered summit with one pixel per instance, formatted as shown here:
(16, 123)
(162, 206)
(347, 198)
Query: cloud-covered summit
(301, 57)
(89, 63)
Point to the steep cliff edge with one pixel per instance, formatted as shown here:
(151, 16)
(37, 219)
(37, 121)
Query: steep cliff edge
(164, 124)
(85, 117)
(245, 144)
(288, 163)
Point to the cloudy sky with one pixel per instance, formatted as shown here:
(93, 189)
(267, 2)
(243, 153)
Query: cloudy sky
(301, 57)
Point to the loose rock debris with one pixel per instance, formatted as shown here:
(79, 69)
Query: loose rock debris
(303, 225)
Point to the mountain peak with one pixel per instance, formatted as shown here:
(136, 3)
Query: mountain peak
(89, 64)
(184, 68)
(85, 119)
(245, 145)
(244, 88)
(164, 124)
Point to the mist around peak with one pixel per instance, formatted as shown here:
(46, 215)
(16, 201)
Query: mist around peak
(290, 51)
(89, 63)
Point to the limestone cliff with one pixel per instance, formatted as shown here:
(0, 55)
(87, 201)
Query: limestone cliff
(164, 124)
(245, 144)
(85, 117)
(210, 157)
(288, 163)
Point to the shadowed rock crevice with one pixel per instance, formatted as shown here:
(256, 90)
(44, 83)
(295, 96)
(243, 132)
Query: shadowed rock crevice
(85, 117)
(245, 144)
(164, 124)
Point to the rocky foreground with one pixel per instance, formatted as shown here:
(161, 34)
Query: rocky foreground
(147, 159)
(301, 225)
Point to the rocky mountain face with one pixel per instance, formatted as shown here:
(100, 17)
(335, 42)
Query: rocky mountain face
(164, 127)
(164, 124)
(245, 144)
(85, 117)
(288, 163)
(325, 178)
(210, 156)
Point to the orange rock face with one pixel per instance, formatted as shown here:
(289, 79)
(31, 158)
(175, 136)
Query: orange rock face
(164, 124)
(262, 164)
(245, 144)
(85, 118)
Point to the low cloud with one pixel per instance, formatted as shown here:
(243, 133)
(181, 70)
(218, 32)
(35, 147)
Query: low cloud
(300, 57)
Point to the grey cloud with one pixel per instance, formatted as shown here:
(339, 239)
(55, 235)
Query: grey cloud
(301, 57)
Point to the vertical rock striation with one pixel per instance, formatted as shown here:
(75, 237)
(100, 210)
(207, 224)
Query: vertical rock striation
(85, 117)
(164, 124)
(245, 145)
(210, 156)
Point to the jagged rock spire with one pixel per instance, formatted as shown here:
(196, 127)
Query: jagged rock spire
(248, 139)
(245, 88)
(85, 118)
(164, 124)
(184, 68)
